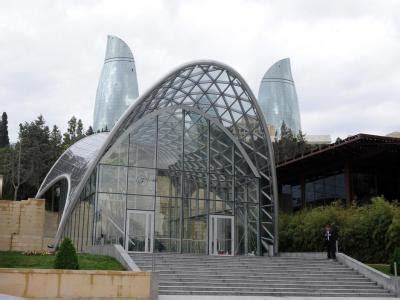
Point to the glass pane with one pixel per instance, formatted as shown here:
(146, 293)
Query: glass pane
(246, 189)
(196, 142)
(194, 235)
(142, 145)
(221, 207)
(140, 202)
(169, 152)
(195, 185)
(221, 187)
(137, 232)
(141, 181)
(224, 236)
(112, 179)
(111, 215)
(221, 151)
(168, 183)
(117, 154)
(168, 227)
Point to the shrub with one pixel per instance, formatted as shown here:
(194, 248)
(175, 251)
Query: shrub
(66, 257)
(369, 233)
(395, 258)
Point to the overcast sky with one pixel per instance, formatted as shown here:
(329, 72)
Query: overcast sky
(345, 55)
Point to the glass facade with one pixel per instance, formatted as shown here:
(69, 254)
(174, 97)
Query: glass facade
(118, 87)
(319, 191)
(182, 191)
(187, 170)
(278, 98)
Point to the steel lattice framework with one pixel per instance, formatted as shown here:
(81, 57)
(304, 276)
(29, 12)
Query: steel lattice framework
(221, 94)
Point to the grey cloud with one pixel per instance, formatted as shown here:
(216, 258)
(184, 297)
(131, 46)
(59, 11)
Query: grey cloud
(344, 53)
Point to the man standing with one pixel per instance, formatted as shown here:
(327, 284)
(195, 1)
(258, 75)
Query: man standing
(330, 241)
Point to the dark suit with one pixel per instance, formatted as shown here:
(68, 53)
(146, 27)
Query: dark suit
(330, 242)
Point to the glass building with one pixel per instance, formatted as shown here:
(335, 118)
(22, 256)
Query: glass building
(188, 168)
(118, 87)
(278, 99)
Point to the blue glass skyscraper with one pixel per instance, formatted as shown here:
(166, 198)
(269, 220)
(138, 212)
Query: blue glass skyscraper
(278, 98)
(118, 87)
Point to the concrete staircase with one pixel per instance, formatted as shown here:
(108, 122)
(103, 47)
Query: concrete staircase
(185, 274)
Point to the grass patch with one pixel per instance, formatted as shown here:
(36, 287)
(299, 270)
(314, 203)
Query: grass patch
(12, 259)
(98, 262)
(384, 268)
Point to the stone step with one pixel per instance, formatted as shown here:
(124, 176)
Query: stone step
(245, 268)
(277, 294)
(244, 274)
(262, 285)
(266, 281)
(184, 274)
(243, 288)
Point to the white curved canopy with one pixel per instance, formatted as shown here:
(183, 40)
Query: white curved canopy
(221, 94)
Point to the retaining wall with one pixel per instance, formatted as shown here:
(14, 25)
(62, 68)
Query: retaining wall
(76, 284)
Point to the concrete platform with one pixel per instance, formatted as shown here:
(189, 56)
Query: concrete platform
(192, 297)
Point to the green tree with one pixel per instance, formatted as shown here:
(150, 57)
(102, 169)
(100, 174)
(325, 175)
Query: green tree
(74, 133)
(289, 145)
(66, 257)
(35, 153)
(4, 139)
(395, 258)
(55, 141)
(5, 167)
(89, 131)
(79, 130)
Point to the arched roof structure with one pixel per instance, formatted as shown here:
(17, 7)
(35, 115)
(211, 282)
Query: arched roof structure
(72, 165)
(217, 91)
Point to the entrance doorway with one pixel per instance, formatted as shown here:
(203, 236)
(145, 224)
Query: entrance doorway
(221, 235)
(139, 231)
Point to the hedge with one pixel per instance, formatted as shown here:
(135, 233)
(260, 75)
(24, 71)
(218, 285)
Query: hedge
(369, 233)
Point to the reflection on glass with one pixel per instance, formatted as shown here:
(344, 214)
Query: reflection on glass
(141, 181)
(112, 179)
(190, 193)
(142, 147)
(137, 233)
(140, 202)
(221, 235)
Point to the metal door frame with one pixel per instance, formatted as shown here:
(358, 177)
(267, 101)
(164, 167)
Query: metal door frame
(212, 236)
(149, 230)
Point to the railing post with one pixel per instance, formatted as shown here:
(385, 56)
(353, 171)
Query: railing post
(153, 261)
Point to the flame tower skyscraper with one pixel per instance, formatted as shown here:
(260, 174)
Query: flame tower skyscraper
(278, 98)
(118, 87)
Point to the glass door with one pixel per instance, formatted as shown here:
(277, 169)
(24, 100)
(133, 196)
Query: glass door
(139, 231)
(221, 235)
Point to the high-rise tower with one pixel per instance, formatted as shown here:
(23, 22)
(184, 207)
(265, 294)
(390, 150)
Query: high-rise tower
(118, 87)
(278, 98)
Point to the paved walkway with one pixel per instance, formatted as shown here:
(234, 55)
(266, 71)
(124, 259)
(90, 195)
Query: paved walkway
(188, 297)
(8, 297)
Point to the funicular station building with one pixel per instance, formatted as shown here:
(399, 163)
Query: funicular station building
(188, 168)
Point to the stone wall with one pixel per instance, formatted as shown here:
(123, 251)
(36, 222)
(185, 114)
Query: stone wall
(22, 225)
(77, 284)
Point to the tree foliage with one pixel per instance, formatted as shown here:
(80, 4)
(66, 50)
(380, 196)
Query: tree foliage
(369, 233)
(89, 131)
(395, 258)
(26, 163)
(290, 145)
(74, 133)
(66, 257)
(4, 139)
